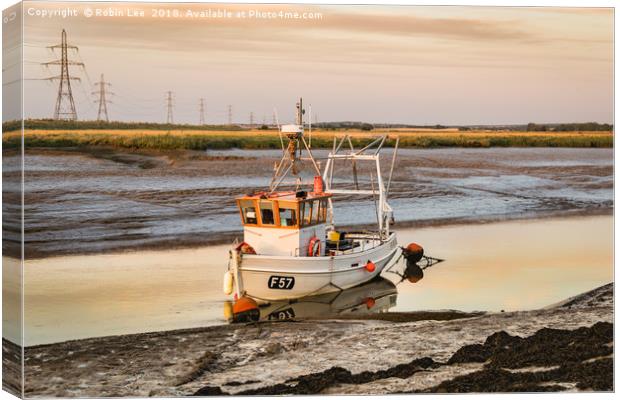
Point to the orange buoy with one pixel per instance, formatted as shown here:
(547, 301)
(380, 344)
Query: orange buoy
(413, 252)
(370, 266)
(245, 310)
(370, 302)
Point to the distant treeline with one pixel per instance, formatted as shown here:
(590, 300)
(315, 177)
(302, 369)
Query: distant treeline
(364, 126)
(583, 126)
(51, 124)
(179, 141)
(533, 127)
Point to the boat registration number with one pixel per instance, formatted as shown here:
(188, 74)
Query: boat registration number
(281, 282)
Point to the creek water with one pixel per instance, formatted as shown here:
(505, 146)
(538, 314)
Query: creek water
(513, 265)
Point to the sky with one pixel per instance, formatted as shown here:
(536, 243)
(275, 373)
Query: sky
(392, 64)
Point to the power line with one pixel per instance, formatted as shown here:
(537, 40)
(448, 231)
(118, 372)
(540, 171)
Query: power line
(90, 82)
(102, 113)
(202, 112)
(65, 105)
(169, 117)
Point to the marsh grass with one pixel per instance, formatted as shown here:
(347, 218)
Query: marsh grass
(204, 140)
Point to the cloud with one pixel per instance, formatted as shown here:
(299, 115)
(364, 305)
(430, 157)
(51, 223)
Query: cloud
(186, 33)
(454, 28)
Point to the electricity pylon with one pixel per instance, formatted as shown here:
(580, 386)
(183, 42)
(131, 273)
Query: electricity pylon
(202, 111)
(251, 120)
(103, 100)
(65, 105)
(229, 115)
(169, 117)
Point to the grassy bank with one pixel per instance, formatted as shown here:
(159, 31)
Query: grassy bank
(256, 139)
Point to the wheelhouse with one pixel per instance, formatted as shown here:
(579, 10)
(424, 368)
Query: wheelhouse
(284, 223)
(288, 210)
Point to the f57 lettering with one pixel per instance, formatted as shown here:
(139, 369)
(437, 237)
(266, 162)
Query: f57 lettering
(281, 282)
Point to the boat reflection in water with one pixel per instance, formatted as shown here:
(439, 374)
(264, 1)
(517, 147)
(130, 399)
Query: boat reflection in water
(376, 296)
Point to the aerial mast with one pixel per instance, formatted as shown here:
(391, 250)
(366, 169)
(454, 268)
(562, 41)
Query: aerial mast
(291, 157)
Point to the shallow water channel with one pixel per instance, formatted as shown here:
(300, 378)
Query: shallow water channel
(515, 265)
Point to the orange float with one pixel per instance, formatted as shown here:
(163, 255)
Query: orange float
(370, 266)
(413, 252)
(245, 309)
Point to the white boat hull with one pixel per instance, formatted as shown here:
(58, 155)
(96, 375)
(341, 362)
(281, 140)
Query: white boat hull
(268, 278)
(354, 301)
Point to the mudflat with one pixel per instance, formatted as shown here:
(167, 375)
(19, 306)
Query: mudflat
(93, 200)
(564, 347)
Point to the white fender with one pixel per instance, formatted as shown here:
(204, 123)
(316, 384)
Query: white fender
(228, 283)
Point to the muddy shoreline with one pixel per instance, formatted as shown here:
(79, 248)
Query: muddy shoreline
(98, 200)
(565, 347)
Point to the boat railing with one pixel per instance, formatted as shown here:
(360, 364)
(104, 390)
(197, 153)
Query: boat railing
(379, 190)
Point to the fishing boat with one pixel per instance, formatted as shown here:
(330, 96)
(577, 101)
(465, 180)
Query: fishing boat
(291, 247)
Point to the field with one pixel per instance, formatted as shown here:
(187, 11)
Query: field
(269, 139)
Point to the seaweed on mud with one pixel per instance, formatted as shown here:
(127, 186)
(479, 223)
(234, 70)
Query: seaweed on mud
(547, 347)
(236, 383)
(210, 391)
(315, 383)
(581, 357)
(596, 375)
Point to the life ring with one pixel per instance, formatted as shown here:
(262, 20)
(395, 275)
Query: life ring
(314, 247)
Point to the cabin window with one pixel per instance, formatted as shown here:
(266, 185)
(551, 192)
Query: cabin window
(313, 212)
(266, 213)
(248, 211)
(288, 215)
(322, 212)
(306, 212)
(316, 218)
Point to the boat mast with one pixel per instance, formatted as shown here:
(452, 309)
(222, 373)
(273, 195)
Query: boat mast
(300, 113)
(291, 154)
